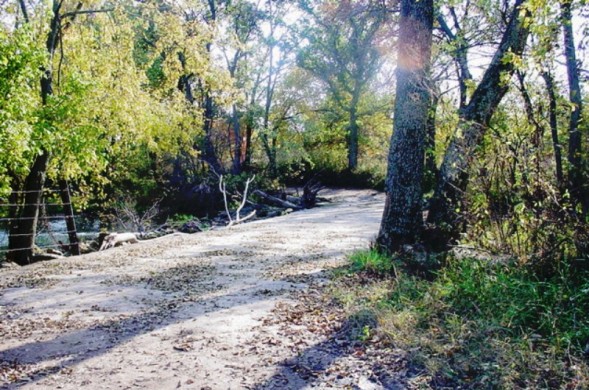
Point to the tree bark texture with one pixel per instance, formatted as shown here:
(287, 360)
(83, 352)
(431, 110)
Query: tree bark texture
(402, 220)
(474, 119)
(249, 130)
(353, 128)
(576, 184)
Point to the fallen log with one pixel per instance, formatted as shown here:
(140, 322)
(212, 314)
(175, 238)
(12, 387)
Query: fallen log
(274, 201)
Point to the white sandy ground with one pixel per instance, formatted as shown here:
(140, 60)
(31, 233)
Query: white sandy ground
(185, 311)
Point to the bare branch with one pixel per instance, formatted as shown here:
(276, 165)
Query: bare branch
(238, 219)
(23, 8)
(223, 189)
(86, 11)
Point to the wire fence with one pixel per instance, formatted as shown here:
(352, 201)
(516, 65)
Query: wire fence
(52, 230)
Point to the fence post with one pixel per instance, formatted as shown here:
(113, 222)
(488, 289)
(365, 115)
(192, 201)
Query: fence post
(68, 210)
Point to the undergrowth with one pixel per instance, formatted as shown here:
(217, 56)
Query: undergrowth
(478, 324)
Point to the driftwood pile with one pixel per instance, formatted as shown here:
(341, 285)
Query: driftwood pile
(266, 205)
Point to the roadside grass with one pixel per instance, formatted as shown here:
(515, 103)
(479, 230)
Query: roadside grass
(476, 324)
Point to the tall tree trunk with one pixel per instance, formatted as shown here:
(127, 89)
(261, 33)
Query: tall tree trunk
(536, 140)
(249, 125)
(209, 155)
(576, 185)
(352, 136)
(474, 119)
(22, 231)
(237, 152)
(249, 131)
(70, 222)
(352, 139)
(529, 108)
(549, 81)
(269, 142)
(402, 220)
(185, 85)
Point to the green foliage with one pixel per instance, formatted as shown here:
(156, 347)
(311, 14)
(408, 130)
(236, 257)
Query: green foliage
(180, 219)
(324, 142)
(85, 125)
(515, 299)
(20, 59)
(235, 184)
(483, 324)
(372, 262)
(514, 205)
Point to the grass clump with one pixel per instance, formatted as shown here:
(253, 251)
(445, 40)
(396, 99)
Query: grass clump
(483, 325)
(371, 262)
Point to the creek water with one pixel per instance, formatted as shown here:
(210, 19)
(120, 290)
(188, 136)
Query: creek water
(51, 232)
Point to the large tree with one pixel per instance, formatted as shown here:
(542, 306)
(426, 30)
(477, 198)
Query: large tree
(402, 219)
(343, 52)
(28, 197)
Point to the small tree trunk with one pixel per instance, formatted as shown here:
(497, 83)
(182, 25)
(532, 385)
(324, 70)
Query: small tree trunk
(270, 148)
(402, 219)
(352, 143)
(70, 222)
(247, 160)
(576, 184)
(554, 128)
(23, 229)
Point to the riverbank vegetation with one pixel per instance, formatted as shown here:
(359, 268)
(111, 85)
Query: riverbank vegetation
(475, 323)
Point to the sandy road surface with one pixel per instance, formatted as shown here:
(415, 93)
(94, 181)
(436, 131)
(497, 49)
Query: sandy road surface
(184, 311)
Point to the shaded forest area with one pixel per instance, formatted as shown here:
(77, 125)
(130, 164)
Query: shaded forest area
(159, 107)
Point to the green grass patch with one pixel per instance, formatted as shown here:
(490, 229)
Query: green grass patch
(479, 324)
(372, 262)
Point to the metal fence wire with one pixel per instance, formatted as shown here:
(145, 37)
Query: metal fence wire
(50, 211)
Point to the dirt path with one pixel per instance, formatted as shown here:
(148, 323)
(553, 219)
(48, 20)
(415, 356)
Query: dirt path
(203, 311)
